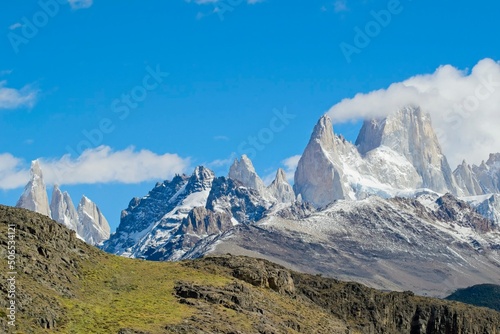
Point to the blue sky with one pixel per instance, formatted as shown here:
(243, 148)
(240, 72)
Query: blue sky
(203, 78)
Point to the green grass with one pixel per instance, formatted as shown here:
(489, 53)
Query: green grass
(124, 293)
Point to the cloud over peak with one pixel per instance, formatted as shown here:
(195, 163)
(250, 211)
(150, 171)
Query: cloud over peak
(464, 106)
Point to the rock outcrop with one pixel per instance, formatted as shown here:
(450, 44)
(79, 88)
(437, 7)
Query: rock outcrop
(466, 180)
(319, 178)
(63, 210)
(35, 197)
(92, 225)
(243, 171)
(488, 174)
(409, 133)
(280, 189)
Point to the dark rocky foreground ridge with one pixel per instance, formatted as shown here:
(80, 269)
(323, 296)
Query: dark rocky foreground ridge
(66, 286)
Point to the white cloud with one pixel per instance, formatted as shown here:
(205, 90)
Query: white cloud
(12, 174)
(219, 163)
(290, 166)
(464, 106)
(80, 4)
(99, 165)
(11, 98)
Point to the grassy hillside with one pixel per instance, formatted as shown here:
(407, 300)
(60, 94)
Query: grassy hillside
(66, 286)
(486, 295)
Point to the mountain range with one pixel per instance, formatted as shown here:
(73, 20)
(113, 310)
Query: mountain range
(387, 211)
(86, 220)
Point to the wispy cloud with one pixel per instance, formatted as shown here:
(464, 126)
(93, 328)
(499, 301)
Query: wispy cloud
(15, 26)
(464, 107)
(340, 6)
(221, 138)
(5, 72)
(99, 165)
(219, 163)
(80, 4)
(11, 98)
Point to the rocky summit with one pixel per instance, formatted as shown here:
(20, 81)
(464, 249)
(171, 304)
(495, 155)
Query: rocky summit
(66, 286)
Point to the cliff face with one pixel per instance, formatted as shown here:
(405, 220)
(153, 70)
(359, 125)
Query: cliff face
(68, 286)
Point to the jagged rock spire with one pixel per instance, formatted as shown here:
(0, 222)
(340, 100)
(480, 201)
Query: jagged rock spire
(35, 197)
(319, 175)
(243, 171)
(63, 210)
(92, 226)
(280, 189)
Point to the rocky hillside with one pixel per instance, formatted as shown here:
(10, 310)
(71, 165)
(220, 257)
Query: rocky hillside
(66, 286)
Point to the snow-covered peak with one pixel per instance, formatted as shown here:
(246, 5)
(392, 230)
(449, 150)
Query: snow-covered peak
(319, 178)
(35, 197)
(243, 171)
(201, 179)
(92, 225)
(36, 170)
(494, 161)
(62, 209)
(323, 133)
(280, 176)
(409, 132)
(466, 180)
(280, 189)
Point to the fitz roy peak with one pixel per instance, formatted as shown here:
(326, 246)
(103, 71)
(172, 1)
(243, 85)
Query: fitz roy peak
(392, 157)
(319, 178)
(87, 221)
(409, 133)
